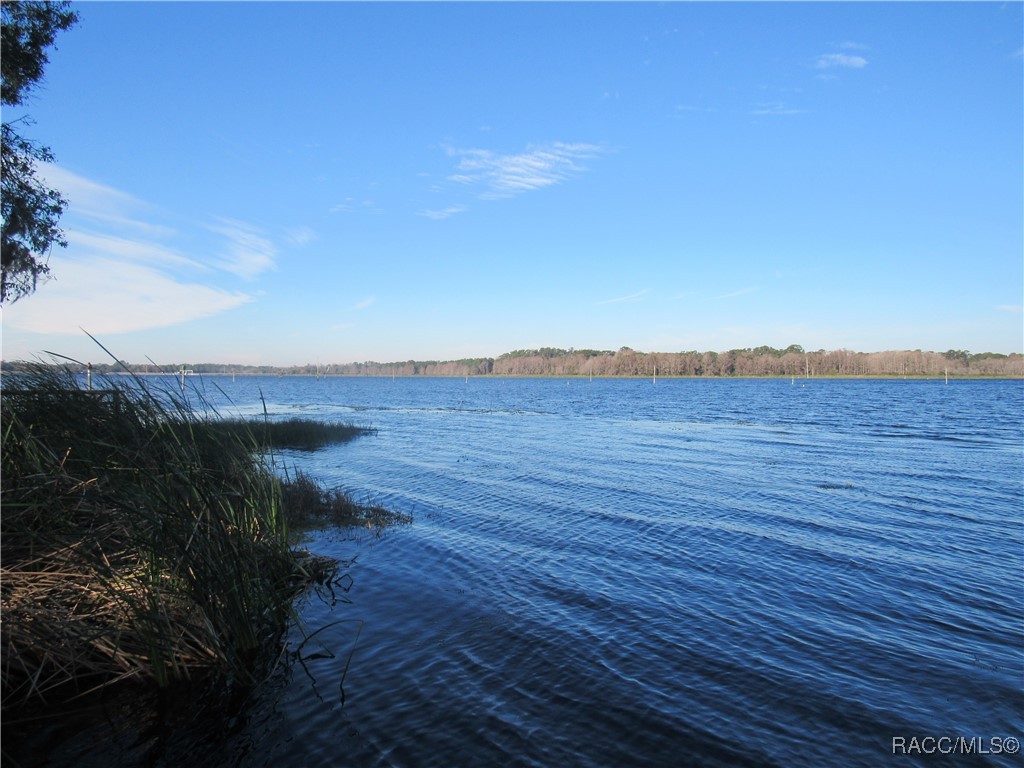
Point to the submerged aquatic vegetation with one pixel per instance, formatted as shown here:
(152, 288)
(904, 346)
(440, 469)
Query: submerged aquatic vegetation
(140, 541)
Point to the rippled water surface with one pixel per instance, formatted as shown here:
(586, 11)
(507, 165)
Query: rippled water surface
(619, 572)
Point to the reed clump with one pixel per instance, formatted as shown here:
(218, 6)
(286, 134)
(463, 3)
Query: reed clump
(298, 433)
(140, 541)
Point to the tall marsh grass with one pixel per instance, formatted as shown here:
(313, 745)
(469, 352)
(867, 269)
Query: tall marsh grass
(140, 541)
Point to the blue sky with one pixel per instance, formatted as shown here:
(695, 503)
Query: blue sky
(285, 183)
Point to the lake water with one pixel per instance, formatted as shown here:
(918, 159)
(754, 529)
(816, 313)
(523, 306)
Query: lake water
(687, 572)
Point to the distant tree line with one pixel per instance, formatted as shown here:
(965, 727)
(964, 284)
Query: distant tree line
(550, 361)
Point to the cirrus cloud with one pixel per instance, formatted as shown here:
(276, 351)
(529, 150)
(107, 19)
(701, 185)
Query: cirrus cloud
(630, 297)
(776, 108)
(248, 252)
(443, 213)
(829, 60)
(500, 175)
(127, 268)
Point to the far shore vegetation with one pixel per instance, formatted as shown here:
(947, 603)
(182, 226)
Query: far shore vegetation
(762, 361)
(145, 544)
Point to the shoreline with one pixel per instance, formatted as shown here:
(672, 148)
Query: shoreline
(959, 376)
(150, 552)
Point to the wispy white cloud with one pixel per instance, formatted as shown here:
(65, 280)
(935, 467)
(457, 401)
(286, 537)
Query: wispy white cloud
(109, 296)
(631, 297)
(247, 252)
(829, 60)
(740, 292)
(300, 236)
(1013, 309)
(363, 304)
(684, 295)
(132, 249)
(101, 203)
(125, 269)
(500, 175)
(350, 205)
(444, 213)
(776, 108)
(693, 108)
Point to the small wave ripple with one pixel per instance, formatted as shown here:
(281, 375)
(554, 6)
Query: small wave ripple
(694, 573)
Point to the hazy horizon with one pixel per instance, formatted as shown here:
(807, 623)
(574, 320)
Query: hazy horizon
(280, 183)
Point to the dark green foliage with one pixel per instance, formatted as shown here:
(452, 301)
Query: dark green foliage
(28, 29)
(552, 352)
(31, 210)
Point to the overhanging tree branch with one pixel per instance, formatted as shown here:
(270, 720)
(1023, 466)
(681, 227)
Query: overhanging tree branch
(31, 211)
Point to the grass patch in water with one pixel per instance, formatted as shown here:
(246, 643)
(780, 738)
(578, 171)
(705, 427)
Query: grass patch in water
(299, 433)
(310, 505)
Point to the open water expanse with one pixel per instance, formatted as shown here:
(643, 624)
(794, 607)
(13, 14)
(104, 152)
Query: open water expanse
(686, 572)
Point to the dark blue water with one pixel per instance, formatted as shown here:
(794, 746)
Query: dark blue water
(752, 572)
